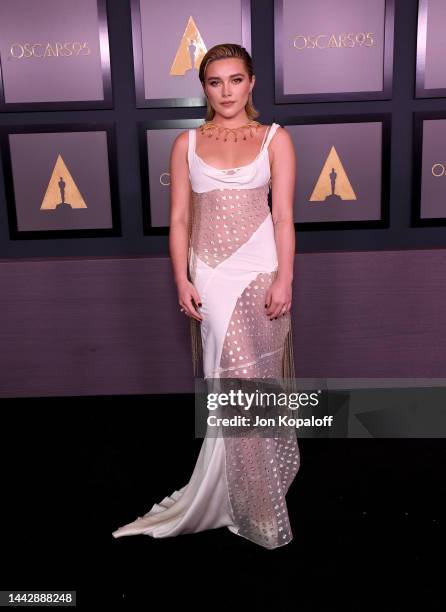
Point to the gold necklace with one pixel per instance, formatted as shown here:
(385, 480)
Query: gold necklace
(208, 129)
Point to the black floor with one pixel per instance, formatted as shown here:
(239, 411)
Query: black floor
(368, 516)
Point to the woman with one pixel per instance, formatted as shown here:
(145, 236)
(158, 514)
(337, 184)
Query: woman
(233, 268)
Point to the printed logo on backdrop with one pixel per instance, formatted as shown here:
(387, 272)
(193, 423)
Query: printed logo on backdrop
(333, 183)
(190, 52)
(62, 191)
(48, 50)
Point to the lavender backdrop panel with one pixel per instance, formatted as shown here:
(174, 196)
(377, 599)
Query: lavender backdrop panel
(169, 29)
(354, 150)
(433, 173)
(72, 73)
(435, 73)
(113, 326)
(159, 145)
(83, 157)
(314, 63)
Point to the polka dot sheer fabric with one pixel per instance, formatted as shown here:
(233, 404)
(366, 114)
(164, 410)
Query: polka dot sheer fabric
(254, 344)
(239, 481)
(225, 220)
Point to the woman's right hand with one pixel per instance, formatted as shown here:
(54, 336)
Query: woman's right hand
(188, 299)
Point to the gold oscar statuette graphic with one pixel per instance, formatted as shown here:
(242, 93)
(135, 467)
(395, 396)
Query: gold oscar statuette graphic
(62, 191)
(333, 184)
(190, 52)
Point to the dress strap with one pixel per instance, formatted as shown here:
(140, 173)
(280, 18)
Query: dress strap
(271, 131)
(192, 138)
(264, 137)
(191, 146)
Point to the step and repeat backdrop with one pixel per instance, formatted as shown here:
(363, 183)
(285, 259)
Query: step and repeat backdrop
(64, 178)
(93, 94)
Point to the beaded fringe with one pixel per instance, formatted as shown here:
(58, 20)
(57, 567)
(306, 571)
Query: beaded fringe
(288, 368)
(288, 373)
(195, 326)
(197, 347)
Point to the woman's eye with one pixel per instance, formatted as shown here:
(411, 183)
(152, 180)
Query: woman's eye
(216, 82)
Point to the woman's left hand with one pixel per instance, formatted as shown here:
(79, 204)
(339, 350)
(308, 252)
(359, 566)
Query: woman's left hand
(278, 298)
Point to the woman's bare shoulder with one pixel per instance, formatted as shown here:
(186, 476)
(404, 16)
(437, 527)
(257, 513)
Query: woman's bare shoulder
(281, 136)
(281, 129)
(180, 145)
(182, 139)
(282, 145)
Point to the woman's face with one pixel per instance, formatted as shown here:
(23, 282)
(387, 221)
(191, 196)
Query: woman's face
(226, 80)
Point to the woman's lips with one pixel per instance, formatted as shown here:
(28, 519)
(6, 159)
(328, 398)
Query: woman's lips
(227, 103)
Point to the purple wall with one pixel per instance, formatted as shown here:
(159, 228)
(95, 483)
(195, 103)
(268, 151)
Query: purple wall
(113, 326)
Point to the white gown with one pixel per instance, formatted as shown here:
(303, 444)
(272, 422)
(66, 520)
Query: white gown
(239, 483)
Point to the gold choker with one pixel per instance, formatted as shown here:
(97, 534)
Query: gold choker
(208, 129)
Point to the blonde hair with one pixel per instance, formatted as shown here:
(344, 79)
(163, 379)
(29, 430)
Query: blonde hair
(223, 51)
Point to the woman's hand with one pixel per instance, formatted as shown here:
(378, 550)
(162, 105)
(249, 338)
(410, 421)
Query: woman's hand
(188, 299)
(278, 298)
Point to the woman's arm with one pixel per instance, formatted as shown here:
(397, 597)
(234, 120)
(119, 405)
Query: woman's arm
(180, 196)
(283, 180)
